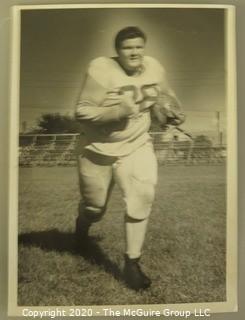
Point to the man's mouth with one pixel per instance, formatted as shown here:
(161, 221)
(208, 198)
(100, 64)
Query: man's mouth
(134, 58)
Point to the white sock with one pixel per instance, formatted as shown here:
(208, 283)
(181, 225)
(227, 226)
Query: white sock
(135, 236)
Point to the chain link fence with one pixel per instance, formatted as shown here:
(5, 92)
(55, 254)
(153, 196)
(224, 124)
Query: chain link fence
(60, 150)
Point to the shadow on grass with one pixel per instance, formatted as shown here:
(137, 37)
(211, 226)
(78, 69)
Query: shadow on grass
(55, 240)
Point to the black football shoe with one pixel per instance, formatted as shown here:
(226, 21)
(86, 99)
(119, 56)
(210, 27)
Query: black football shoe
(134, 276)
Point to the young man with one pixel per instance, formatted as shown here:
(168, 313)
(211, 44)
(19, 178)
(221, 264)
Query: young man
(117, 100)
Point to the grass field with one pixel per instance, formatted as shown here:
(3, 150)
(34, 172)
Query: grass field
(184, 252)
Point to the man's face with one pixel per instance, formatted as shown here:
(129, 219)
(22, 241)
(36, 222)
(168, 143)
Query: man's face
(131, 53)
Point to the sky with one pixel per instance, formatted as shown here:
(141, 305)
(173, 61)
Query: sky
(57, 45)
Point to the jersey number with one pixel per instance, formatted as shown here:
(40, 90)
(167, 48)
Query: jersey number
(148, 92)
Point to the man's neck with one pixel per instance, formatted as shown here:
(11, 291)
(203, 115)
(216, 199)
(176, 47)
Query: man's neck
(135, 72)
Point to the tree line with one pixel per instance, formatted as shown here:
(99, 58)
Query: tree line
(56, 123)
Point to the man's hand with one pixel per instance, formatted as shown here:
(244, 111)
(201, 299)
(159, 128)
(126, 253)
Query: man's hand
(128, 105)
(125, 103)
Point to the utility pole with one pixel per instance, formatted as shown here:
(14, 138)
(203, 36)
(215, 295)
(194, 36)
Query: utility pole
(23, 127)
(219, 132)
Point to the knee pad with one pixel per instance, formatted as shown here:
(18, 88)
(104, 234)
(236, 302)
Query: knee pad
(91, 213)
(139, 201)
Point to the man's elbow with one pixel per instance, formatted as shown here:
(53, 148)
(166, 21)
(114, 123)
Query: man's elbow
(78, 114)
(178, 120)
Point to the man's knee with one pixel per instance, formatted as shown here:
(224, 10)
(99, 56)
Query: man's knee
(92, 213)
(145, 193)
(139, 203)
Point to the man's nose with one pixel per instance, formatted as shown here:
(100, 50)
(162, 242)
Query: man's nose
(134, 51)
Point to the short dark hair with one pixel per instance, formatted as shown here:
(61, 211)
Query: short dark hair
(128, 33)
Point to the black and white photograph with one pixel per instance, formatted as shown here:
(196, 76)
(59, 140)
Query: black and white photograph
(123, 159)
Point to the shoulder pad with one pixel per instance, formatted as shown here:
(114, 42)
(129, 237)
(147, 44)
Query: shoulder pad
(99, 70)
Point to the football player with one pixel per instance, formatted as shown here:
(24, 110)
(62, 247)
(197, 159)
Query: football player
(117, 99)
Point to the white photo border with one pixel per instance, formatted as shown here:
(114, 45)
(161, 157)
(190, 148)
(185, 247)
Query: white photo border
(231, 265)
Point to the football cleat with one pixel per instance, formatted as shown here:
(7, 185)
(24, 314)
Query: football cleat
(134, 276)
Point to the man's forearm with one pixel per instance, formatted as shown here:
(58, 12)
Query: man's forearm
(88, 111)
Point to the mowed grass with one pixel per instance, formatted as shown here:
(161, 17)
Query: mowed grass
(184, 251)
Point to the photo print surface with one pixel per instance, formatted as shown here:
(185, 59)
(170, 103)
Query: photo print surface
(123, 153)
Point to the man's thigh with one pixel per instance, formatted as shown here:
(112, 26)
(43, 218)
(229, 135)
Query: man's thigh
(95, 177)
(136, 175)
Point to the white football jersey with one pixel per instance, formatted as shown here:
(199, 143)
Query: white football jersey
(119, 138)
